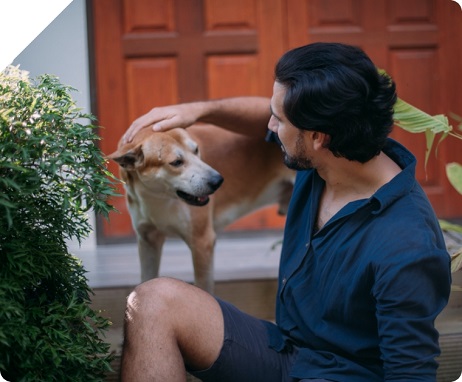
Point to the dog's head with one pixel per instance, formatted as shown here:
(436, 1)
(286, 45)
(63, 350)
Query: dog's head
(168, 164)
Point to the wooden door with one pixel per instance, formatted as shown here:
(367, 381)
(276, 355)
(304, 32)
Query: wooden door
(158, 52)
(155, 52)
(419, 43)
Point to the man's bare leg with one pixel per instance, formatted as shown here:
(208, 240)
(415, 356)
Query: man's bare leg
(169, 323)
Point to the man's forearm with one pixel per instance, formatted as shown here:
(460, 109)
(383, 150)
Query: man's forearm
(243, 115)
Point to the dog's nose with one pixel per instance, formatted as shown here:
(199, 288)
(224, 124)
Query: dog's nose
(215, 181)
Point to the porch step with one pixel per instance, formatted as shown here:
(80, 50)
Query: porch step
(257, 298)
(246, 275)
(450, 368)
(238, 256)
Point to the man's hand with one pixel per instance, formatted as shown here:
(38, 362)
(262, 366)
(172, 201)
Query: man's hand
(165, 118)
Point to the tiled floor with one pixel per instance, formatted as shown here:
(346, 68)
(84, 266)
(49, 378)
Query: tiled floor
(237, 256)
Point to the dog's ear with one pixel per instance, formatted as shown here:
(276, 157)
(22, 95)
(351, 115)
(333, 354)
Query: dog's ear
(129, 160)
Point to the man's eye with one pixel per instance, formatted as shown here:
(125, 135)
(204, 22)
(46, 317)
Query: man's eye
(177, 163)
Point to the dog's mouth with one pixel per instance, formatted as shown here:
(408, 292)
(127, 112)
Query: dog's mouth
(193, 200)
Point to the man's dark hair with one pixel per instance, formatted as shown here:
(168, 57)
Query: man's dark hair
(336, 89)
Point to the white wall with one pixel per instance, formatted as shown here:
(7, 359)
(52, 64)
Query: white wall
(62, 50)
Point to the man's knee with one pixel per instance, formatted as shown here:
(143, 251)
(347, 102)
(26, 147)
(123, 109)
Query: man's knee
(152, 298)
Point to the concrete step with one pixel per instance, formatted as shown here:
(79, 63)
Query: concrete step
(246, 271)
(257, 298)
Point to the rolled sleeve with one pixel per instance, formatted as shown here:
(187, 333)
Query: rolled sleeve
(410, 293)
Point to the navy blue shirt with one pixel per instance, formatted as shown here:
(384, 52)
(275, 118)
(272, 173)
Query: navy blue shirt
(360, 296)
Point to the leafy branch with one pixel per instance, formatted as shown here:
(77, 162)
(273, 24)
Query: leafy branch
(414, 120)
(51, 174)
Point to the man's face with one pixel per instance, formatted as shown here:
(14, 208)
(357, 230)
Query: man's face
(292, 138)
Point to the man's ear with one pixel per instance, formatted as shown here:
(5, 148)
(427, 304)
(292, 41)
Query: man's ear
(320, 140)
(129, 160)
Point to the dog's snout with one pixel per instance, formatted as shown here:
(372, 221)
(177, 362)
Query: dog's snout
(216, 181)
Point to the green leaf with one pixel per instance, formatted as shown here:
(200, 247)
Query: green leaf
(454, 174)
(6, 203)
(456, 261)
(447, 226)
(414, 120)
(429, 137)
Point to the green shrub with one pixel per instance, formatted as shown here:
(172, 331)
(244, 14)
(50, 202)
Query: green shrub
(51, 174)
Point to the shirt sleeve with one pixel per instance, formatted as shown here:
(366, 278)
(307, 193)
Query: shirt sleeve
(410, 291)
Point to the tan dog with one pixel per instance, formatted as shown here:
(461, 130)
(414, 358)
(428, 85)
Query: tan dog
(169, 186)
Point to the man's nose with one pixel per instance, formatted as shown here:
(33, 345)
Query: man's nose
(273, 125)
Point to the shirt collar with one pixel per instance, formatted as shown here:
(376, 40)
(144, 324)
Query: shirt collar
(402, 183)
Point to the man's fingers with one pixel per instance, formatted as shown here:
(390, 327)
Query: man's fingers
(157, 126)
(140, 123)
(161, 119)
(166, 124)
(137, 126)
(131, 132)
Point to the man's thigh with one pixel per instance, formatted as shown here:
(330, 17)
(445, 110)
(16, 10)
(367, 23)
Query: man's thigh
(245, 355)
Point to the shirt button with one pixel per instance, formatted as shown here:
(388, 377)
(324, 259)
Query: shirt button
(284, 281)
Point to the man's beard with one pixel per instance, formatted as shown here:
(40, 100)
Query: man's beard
(300, 160)
(297, 163)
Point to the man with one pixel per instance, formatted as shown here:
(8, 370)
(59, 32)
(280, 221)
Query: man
(364, 270)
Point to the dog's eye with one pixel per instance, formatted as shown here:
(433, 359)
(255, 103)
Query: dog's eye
(177, 163)
(196, 150)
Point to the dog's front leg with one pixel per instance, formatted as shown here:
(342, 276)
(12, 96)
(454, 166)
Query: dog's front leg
(150, 243)
(202, 250)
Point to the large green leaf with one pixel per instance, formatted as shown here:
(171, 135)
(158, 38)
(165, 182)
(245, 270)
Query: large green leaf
(454, 173)
(414, 120)
(447, 226)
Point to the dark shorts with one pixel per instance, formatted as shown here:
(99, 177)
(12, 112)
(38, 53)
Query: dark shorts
(245, 355)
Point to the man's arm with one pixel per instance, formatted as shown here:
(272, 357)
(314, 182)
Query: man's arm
(243, 115)
(410, 294)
